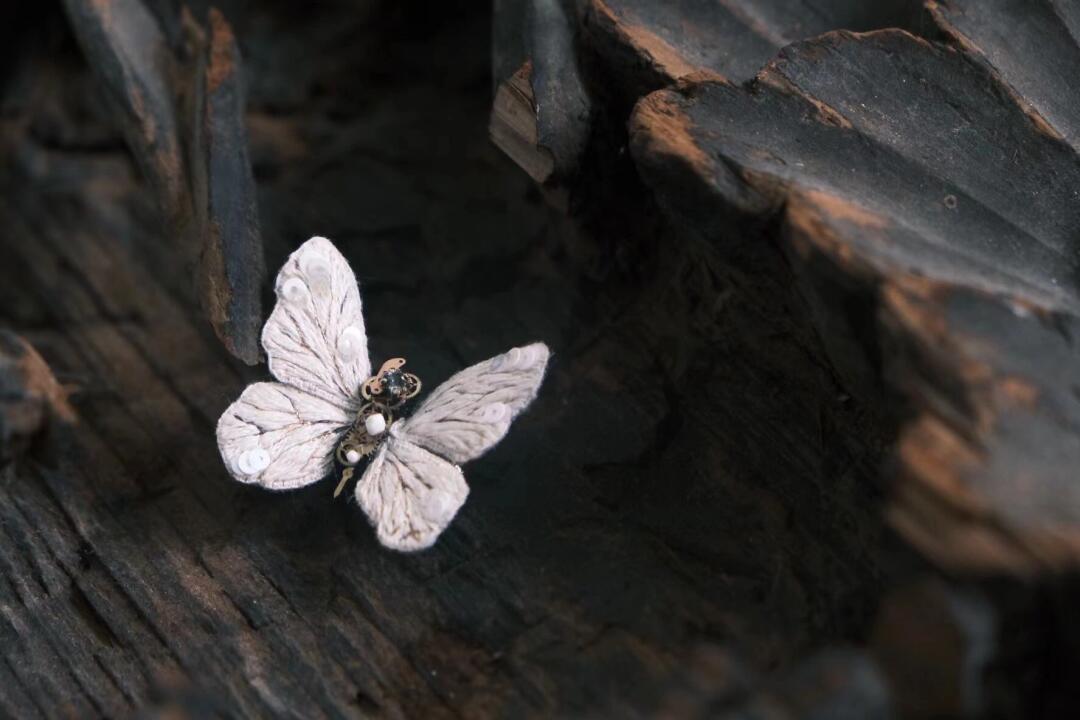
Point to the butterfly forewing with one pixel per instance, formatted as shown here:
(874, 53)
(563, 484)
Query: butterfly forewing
(472, 411)
(315, 339)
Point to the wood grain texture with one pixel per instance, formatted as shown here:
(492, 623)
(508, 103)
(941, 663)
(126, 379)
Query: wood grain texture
(1031, 46)
(513, 125)
(916, 166)
(909, 169)
(691, 477)
(31, 399)
(925, 184)
(225, 224)
(541, 114)
(180, 106)
(654, 44)
(554, 60)
(989, 466)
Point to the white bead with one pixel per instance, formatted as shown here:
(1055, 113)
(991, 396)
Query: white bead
(507, 361)
(438, 506)
(317, 270)
(375, 424)
(350, 343)
(352, 456)
(494, 412)
(294, 290)
(254, 461)
(531, 355)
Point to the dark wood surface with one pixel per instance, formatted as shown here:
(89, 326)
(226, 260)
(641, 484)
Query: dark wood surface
(915, 165)
(173, 85)
(664, 42)
(691, 480)
(907, 168)
(541, 93)
(33, 404)
(807, 444)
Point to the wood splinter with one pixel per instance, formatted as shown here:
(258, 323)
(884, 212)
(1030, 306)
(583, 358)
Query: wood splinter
(513, 125)
(31, 399)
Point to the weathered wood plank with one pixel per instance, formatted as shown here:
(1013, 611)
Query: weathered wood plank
(1031, 46)
(694, 473)
(555, 60)
(895, 159)
(232, 584)
(878, 162)
(948, 183)
(650, 45)
(541, 113)
(995, 450)
(182, 112)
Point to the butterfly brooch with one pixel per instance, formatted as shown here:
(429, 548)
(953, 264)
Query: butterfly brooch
(327, 411)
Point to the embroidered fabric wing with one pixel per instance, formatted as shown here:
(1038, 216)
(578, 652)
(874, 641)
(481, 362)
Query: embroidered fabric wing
(315, 339)
(410, 495)
(282, 435)
(472, 411)
(413, 487)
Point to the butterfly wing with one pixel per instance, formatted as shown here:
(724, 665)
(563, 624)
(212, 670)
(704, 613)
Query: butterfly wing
(413, 487)
(315, 339)
(410, 494)
(472, 411)
(280, 437)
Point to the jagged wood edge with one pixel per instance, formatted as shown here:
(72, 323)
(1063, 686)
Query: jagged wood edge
(182, 113)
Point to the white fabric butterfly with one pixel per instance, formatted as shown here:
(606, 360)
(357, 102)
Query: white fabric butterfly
(282, 435)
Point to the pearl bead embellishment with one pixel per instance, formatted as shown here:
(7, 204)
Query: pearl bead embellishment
(294, 290)
(375, 424)
(350, 343)
(438, 506)
(253, 461)
(353, 456)
(515, 359)
(317, 271)
(494, 412)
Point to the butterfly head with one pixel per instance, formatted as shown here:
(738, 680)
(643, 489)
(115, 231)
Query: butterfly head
(392, 386)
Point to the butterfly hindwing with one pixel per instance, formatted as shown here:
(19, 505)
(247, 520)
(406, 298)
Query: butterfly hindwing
(280, 437)
(472, 411)
(410, 495)
(413, 487)
(315, 338)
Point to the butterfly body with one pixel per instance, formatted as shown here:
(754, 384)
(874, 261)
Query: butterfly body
(328, 407)
(365, 435)
(383, 394)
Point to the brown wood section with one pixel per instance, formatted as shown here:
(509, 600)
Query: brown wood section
(913, 166)
(173, 85)
(692, 490)
(911, 169)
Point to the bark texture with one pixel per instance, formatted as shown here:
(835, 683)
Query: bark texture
(914, 165)
(806, 443)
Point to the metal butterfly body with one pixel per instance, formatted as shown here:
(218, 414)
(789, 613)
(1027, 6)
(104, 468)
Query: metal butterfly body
(328, 406)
